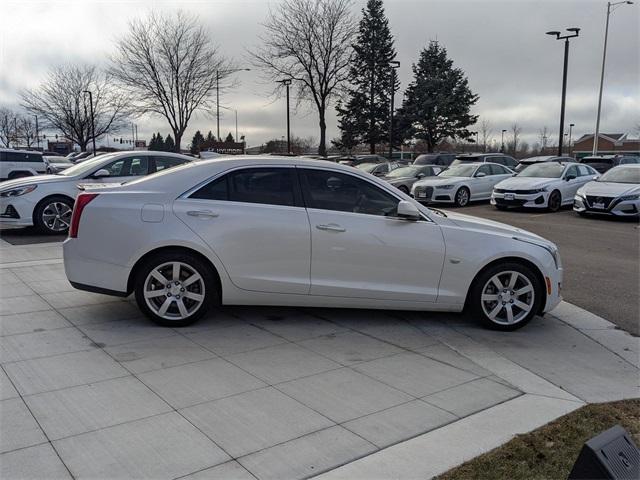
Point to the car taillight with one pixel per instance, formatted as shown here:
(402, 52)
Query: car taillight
(81, 201)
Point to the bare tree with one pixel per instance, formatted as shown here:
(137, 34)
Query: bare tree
(309, 42)
(27, 130)
(515, 135)
(486, 133)
(171, 68)
(61, 104)
(8, 126)
(544, 139)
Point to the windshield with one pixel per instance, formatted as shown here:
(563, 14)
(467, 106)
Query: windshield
(367, 167)
(543, 170)
(404, 172)
(59, 160)
(458, 171)
(84, 167)
(621, 175)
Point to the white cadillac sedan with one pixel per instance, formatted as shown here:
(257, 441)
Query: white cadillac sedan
(296, 232)
(46, 201)
(461, 183)
(616, 192)
(547, 185)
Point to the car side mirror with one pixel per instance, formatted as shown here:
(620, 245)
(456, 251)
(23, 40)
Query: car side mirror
(103, 172)
(570, 177)
(408, 211)
(481, 174)
(421, 175)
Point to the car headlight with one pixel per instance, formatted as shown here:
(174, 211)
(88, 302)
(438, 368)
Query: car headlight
(552, 249)
(445, 187)
(539, 190)
(630, 197)
(16, 192)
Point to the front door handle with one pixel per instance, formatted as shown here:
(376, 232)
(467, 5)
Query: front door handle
(202, 213)
(332, 227)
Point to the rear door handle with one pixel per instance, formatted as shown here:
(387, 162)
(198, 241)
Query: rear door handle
(202, 213)
(332, 227)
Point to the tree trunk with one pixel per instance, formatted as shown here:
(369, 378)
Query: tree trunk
(83, 145)
(322, 148)
(178, 139)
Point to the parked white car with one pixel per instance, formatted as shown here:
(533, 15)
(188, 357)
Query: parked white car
(547, 185)
(20, 163)
(46, 201)
(56, 164)
(296, 232)
(461, 183)
(616, 192)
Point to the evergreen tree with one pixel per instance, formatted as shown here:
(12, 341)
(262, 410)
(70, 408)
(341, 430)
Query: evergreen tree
(365, 114)
(153, 142)
(229, 138)
(348, 139)
(211, 138)
(196, 142)
(159, 142)
(437, 103)
(169, 144)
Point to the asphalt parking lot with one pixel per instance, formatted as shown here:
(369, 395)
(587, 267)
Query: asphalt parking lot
(600, 258)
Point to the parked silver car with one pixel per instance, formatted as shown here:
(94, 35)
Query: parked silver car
(403, 178)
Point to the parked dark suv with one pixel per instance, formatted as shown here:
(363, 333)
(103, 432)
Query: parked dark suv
(499, 158)
(602, 163)
(443, 159)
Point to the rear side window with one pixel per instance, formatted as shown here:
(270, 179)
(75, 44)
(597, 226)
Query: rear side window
(584, 171)
(166, 162)
(498, 170)
(271, 186)
(500, 160)
(486, 169)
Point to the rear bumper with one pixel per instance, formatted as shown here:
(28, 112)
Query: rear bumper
(93, 275)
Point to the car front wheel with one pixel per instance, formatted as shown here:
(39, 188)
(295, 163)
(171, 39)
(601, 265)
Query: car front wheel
(555, 201)
(462, 197)
(53, 215)
(506, 296)
(175, 289)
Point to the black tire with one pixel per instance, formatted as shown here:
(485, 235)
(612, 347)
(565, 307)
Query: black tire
(462, 196)
(502, 207)
(475, 306)
(51, 205)
(195, 263)
(555, 201)
(403, 189)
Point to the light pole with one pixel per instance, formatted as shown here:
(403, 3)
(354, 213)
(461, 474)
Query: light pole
(476, 135)
(571, 125)
(604, 58)
(575, 32)
(286, 82)
(93, 126)
(37, 132)
(394, 64)
(218, 72)
(502, 147)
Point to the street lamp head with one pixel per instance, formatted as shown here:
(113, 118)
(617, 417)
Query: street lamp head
(572, 124)
(286, 81)
(573, 29)
(503, 131)
(554, 33)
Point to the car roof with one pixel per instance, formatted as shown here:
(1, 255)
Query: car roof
(540, 158)
(479, 155)
(9, 150)
(599, 157)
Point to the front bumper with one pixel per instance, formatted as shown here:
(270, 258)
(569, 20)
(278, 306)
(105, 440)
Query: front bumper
(513, 199)
(17, 211)
(433, 195)
(553, 284)
(606, 206)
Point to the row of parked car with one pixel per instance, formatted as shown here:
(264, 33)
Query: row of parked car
(543, 182)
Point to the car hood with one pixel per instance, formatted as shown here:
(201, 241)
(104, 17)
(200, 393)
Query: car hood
(440, 181)
(526, 183)
(609, 189)
(40, 179)
(489, 226)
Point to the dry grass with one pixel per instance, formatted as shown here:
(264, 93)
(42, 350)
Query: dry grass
(550, 451)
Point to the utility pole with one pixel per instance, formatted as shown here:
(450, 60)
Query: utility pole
(571, 125)
(575, 32)
(604, 58)
(37, 132)
(93, 126)
(502, 147)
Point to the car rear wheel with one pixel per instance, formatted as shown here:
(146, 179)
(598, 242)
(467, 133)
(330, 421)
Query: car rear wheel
(52, 216)
(175, 289)
(506, 296)
(462, 197)
(555, 201)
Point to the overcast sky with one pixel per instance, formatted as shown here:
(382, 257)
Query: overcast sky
(511, 64)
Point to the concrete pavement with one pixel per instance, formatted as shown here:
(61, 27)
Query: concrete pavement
(89, 388)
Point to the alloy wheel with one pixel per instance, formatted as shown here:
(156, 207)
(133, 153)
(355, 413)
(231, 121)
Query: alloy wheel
(507, 297)
(174, 290)
(56, 216)
(462, 197)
